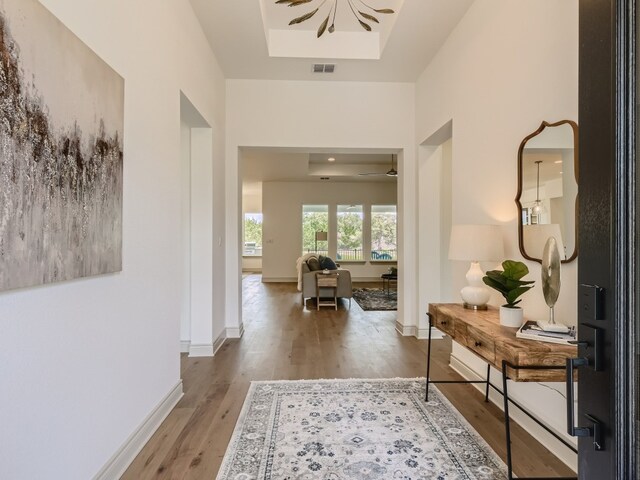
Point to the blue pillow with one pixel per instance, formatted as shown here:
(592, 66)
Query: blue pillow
(327, 264)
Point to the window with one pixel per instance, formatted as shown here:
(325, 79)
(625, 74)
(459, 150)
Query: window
(315, 225)
(384, 236)
(252, 235)
(350, 219)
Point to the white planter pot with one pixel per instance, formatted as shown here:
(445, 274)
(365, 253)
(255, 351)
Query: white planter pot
(511, 317)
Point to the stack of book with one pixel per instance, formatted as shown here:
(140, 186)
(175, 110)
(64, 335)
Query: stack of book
(531, 331)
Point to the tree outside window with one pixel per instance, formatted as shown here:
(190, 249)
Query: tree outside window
(315, 218)
(384, 235)
(252, 235)
(350, 230)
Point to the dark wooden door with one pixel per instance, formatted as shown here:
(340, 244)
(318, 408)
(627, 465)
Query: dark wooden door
(607, 317)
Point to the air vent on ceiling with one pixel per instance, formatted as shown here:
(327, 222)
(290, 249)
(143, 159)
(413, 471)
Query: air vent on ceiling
(325, 178)
(323, 67)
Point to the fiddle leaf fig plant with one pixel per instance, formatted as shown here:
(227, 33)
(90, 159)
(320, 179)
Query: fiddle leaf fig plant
(509, 281)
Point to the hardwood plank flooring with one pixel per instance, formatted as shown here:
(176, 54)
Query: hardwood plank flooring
(285, 341)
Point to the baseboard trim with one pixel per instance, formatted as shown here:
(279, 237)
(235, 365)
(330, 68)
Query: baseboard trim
(536, 431)
(423, 334)
(184, 346)
(120, 461)
(201, 350)
(295, 279)
(404, 331)
(279, 279)
(419, 333)
(219, 342)
(235, 332)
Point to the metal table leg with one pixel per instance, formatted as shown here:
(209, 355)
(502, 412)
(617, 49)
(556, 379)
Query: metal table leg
(507, 421)
(506, 401)
(429, 381)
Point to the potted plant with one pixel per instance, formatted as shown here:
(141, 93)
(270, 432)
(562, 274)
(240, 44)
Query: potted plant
(510, 284)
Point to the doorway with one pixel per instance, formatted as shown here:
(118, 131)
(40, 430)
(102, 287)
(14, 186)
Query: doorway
(196, 312)
(346, 189)
(435, 157)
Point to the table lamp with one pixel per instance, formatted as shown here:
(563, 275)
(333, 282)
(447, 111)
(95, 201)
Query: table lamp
(476, 243)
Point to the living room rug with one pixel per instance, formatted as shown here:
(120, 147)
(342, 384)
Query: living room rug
(371, 299)
(354, 430)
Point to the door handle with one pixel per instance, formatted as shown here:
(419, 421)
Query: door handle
(595, 430)
(595, 349)
(572, 430)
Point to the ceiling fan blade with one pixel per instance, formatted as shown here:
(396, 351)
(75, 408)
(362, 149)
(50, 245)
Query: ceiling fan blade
(372, 174)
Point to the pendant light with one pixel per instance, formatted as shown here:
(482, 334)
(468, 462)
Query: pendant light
(538, 207)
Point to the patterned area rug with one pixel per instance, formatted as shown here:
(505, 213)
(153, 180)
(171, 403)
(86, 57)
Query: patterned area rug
(375, 299)
(354, 430)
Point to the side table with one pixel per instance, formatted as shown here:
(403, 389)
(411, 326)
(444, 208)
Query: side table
(327, 281)
(387, 278)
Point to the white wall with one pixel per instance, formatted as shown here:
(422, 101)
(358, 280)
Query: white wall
(506, 67)
(185, 159)
(497, 92)
(252, 203)
(434, 224)
(330, 115)
(282, 208)
(82, 363)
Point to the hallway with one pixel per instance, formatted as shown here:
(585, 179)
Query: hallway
(284, 341)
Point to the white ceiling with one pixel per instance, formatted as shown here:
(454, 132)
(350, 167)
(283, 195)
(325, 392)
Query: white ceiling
(238, 31)
(285, 165)
(551, 167)
(238, 37)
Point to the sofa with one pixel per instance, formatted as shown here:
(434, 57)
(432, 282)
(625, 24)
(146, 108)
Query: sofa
(345, 289)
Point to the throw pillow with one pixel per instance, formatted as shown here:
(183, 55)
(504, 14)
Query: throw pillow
(314, 264)
(327, 263)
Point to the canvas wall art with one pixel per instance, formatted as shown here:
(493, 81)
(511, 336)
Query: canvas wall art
(61, 152)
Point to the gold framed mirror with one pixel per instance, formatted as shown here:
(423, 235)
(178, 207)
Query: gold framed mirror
(547, 198)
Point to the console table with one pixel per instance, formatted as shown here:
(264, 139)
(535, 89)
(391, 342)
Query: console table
(517, 359)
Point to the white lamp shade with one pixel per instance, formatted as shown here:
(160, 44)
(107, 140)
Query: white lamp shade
(534, 238)
(476, 243)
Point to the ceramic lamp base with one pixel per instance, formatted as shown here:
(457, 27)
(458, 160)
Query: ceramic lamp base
(475, 295)
(468, 306)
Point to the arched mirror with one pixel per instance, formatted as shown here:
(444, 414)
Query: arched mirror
(547, 197)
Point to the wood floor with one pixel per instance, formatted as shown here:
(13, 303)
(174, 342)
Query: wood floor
(283, 340)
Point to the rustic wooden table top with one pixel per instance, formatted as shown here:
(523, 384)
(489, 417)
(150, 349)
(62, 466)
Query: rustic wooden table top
(480, 331)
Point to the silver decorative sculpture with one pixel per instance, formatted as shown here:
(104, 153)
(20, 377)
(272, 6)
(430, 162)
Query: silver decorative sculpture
(551, 284)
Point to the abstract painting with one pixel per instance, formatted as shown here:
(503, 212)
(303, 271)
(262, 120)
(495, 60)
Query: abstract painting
(61, 152)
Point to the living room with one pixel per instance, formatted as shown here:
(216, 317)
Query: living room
(284, 190)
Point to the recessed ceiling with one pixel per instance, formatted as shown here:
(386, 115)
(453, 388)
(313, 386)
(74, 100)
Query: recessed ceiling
(260, 165)
(407, 41)
(349, 40)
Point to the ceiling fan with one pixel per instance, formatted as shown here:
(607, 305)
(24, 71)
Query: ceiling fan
(391, 173)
